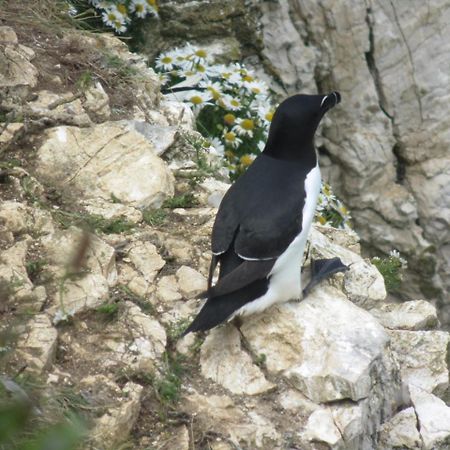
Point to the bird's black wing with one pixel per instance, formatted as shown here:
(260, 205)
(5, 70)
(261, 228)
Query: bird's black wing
(262, 212)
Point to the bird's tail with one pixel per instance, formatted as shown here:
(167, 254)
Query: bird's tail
(217, 310)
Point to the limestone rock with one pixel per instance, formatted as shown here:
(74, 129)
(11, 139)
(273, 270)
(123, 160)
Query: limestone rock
(110, 210)
(37, 346)
(423, 358)
(69, 109)
(17, 74)
(145, 258)
(96, 103)
(134, 342)
(9, 133)
(321, 428)
(167, 290)
(99, 162)
(190, 282)
(412, 315)
(161, 137)
(218, 413)
(224, 361)
(363, 284)
(95, 258)
(178, 114)
(433, 416)
(14, 279)
(401, 432)
(114, 427)
(179, 439)
(180, 249)
(325, 345)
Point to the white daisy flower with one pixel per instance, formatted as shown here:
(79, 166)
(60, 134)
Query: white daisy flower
(230, 103)
(213, 87)
(165, 61)
(246, 160)
(255, 87)
(217, 147)
(198, 99)
(152, 6)
(231, 139)
(244, 127)
(113, 17)
(139, 7)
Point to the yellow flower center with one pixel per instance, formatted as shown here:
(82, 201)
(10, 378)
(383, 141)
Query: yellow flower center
(215, 93)
(256, 90)
(229, 118)
(246, 160)
(152, 3)
(235, 102)
(166, 60)
(248, 124)
(230, 136)
(269, 116)
(201, 68)
(196, 100)
(229, 154)
(201, 53)
(122, 9)
(112, 17)
(322, 220)
(139, 7)
(226, 75)
(248, 78)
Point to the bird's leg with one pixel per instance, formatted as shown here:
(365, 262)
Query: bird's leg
(322, 269)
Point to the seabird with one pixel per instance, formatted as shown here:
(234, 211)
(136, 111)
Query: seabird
(264, 219)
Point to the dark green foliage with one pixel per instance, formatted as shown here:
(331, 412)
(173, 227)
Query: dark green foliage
(168, 386)
(154, 217)
(93, 222)
(391, 269)
(187, 200)
(34, 268)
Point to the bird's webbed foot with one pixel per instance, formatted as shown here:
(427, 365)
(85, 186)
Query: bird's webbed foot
(322, 269)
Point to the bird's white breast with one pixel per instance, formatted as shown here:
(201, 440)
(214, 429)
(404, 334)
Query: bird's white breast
(285, 281)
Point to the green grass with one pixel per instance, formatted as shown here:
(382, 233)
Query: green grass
(34, 268)
(168, 386)
(187, 200)
(108, 311)
(391, 270)
(93, 222)
(155, 217)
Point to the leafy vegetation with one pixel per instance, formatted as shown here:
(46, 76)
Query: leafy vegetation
(391, 269)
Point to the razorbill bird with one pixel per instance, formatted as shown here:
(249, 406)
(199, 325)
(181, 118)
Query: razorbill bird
(263, 221)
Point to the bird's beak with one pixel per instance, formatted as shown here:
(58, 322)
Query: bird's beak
(330, 100)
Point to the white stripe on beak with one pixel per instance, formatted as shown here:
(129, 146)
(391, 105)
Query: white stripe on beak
(326, 96)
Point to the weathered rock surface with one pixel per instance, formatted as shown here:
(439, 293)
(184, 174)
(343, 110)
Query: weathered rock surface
(412, 315)
(113, 427)
(401, 432)
(17, 74)
(82, 267)
(218, 413)
(37, 346)
(433, 416)
(422, 356)
(223, 360)
(101, 161)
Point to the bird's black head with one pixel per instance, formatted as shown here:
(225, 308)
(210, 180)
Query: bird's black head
(291, 134)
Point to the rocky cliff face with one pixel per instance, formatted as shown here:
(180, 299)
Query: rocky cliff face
(386, 150)
(99, 312)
